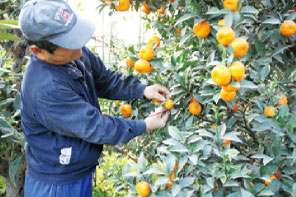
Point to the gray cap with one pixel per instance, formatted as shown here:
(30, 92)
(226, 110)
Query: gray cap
(55, 21)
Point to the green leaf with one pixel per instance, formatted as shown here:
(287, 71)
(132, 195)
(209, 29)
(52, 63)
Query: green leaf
(264, 72)
(262, 127)
(232, 136)
(266, 192)
(5, 127)
(154, 171)
(229, 19)
(162, 180)
(276, 146)
(266, 159)
(272, 21)
(280, 50)
(179, 148)
(294, 190)
(249, 10)
(8, 36)
(245, 193)
(187, 181)
(175, 133)
(216, 11)
(11, 22)
(247, 84)
(17, 102)
(203, 132)
(185, 38)
(185, 18)
(13, 168)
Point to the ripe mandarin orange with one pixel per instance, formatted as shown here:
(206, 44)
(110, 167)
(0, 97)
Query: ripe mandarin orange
(154, 39)
(252, 184)
(225, 35)
(240, 47)
(123, 5)
(225, 143)
(227, 96)
(169, 104)
(178, 31)
(231, 4)
(270, 111)
(145, 5)
(221, 22)
(214, 127)
(195, 108)
(143, 188)
(160, 10)
(283, 100)
(126, 110)
(267, 182)
(142, 66)
(202, 30)
(237, 70)
(168, 184)
(147, 52)
(230, 88)
(156, 100)
(145, 10)
(221, 75)
(288, 28)
(130, 62)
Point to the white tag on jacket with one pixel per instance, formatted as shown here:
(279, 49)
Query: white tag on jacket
(65, 156)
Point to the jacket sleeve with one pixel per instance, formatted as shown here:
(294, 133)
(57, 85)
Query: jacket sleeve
(112, 85)
(63, 111)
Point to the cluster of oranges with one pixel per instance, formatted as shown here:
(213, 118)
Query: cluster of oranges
(270, 111)
(146, 54)
(161, 10)
(222, 75)
(122, 6)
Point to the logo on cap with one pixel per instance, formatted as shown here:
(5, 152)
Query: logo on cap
(65, 15)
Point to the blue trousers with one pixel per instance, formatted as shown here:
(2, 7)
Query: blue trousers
(81, 188)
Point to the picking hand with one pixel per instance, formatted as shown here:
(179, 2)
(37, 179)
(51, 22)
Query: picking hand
(157, 92)
(157, 119)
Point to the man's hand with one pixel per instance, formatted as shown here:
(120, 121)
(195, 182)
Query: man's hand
(157, 119)
(157, 92)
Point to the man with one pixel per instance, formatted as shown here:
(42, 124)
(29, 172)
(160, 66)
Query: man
(61, 117)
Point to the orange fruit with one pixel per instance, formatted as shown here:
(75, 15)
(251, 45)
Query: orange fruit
(147, 52)
(142, 66)
(160, 10)
(193, 99)
(270, 111)
(283, 100)
(230, 88)
(154, 39)
(126, 109)
(168, 184)
(195, 108)
(214, 127)
(123, 5)
(143, 188)
(231, 4)
(178, 31)
(156, 100)
(267, 182)
(221, 22)
(225, 35)
(169, 104)
(225, 143)
(125, 151)
(251, 183)
(145, 5)
(145, 9)
(288, 28)
(240, 47)
(221, 75)
(237, 70)
(235, 106)
(130, 62)
(202, 30)
(227, 96)
(104, 113)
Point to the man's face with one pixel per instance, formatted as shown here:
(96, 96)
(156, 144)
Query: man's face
(62, 56)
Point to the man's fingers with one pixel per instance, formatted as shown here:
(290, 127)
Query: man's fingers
(164, 91)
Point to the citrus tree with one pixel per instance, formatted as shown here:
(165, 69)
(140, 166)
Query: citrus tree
(230, 66)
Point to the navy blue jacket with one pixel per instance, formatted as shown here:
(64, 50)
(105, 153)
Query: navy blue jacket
(61, 117)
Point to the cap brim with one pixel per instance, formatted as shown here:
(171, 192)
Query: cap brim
(78, 36)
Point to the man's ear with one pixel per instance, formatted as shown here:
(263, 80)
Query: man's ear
(40, 53)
